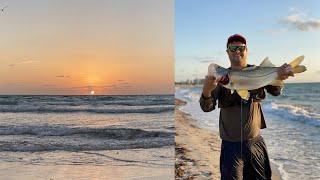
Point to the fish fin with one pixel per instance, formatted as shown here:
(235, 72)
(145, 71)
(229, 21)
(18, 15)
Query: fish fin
(243, 93)
(299, 69)
(277, 83)
(296, 61)
(266, 63)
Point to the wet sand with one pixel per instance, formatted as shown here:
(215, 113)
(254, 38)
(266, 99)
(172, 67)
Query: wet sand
(154, 163)
(197, 150)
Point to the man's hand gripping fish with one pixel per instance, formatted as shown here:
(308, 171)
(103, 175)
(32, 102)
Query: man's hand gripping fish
(252, 77)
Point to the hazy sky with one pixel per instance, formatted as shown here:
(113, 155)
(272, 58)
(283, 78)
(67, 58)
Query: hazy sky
(75, 46)
(281, 30)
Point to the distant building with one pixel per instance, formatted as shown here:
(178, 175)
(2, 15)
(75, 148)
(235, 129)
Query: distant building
(190, 82)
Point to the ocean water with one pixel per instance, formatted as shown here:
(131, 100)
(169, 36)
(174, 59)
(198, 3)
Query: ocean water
(293, 127)
(119, 131)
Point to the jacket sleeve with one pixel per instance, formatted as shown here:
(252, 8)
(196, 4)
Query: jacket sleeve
(274, 90)
(209, 104)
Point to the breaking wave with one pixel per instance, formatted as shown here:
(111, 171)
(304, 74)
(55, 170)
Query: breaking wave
(294, 112)
(51, 138)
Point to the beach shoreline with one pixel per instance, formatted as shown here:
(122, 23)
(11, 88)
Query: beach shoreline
(198, 150)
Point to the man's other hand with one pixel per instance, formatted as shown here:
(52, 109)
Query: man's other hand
(285, 71)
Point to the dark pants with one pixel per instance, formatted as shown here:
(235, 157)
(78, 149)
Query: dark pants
(250, 163)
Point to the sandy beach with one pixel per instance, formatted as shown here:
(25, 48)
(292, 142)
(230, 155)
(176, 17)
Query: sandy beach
(114, 164)
(197, 150)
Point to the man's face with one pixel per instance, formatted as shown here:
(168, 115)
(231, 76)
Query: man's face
(238, 53)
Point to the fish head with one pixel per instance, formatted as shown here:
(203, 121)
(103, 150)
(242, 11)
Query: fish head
(219, 73)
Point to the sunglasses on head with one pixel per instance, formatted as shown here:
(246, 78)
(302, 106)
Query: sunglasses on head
(234, 48)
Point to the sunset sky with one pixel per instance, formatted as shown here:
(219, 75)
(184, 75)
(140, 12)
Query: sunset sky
(281, 30)
(79, 46)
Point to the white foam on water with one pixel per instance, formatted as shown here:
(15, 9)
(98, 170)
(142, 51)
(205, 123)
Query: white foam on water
(283, 174)
(295, 109)
(295, 112)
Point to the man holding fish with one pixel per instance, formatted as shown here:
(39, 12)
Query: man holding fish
(239, 91)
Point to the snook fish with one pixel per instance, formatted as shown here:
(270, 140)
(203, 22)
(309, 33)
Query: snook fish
(253, 77)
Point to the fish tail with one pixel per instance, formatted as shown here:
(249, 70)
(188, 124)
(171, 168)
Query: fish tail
(299, 69)
(296, 61)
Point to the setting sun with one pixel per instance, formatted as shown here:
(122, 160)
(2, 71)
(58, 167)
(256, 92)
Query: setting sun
(117, 58)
